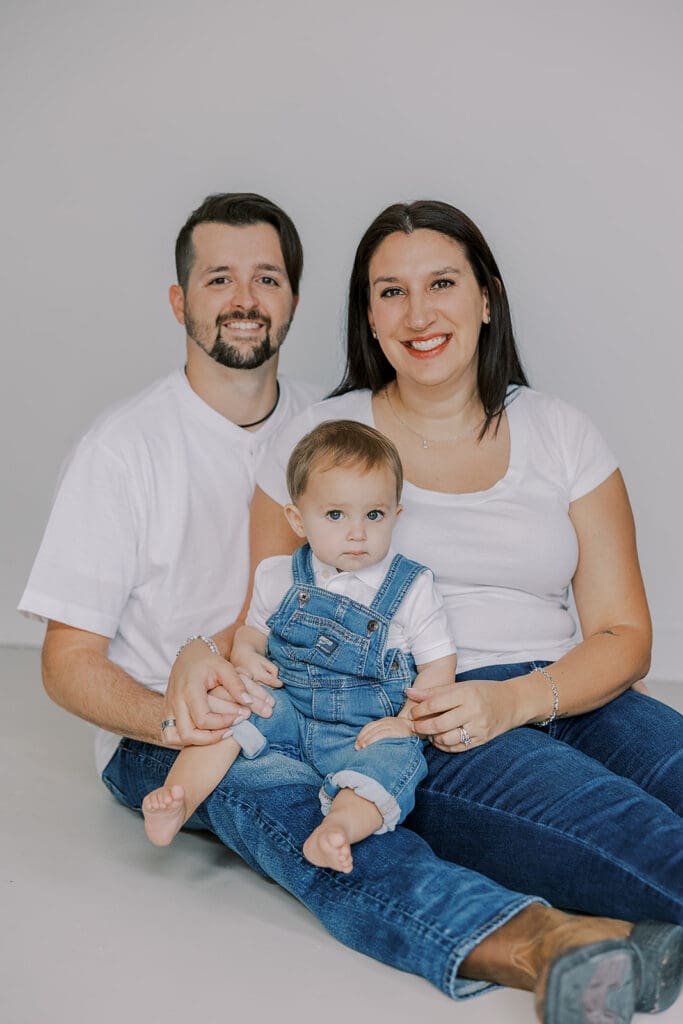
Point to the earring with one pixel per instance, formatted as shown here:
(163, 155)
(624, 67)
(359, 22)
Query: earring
(373, 333)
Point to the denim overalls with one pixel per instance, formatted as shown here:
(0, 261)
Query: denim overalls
(337, 674)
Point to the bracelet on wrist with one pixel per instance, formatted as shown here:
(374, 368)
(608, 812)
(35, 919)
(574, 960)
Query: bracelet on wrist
(211, 644)
(556, 697)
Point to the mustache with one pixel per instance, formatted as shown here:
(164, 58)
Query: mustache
(253, 314)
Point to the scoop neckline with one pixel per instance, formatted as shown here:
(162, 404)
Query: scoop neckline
(515, 461)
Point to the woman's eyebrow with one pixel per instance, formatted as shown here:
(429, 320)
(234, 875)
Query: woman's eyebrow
(431, 273)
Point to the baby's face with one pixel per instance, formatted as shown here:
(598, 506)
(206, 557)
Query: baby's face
(347, 515)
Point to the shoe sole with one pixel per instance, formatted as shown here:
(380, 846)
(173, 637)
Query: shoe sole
(594, 984)
(659, 965)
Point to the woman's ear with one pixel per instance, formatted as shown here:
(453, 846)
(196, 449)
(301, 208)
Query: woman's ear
(294, 519)
(486, 312)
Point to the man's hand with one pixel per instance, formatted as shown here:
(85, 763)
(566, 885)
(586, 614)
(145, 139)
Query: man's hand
(383, 729)
(198, 672)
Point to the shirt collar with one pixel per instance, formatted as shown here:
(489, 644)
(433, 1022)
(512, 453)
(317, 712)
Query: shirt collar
(371, 575)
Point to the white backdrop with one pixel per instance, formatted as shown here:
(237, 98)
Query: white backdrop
(556, 126)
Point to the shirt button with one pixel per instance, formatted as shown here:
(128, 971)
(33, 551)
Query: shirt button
(373, 624)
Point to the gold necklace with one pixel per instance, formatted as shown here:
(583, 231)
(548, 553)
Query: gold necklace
(426, 441)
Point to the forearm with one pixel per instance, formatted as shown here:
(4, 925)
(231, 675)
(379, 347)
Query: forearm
(591, 675)
(80, 678)
(436, 673)
(247, 641)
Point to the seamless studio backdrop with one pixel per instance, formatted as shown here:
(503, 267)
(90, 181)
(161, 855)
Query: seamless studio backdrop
(555, 126)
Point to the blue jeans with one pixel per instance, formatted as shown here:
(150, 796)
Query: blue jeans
(401, 904)
(386, 773)
(586, 813)
(528, 810)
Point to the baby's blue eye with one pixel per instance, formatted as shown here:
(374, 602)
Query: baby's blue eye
(335, 515)
(375, 514)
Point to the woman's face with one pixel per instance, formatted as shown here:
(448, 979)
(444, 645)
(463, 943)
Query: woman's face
(426, 307)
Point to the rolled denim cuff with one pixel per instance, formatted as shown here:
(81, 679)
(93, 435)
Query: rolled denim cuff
(370, 789)
(250, 739)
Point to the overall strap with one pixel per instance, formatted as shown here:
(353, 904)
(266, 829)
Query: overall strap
(395, 585)
(302, 566)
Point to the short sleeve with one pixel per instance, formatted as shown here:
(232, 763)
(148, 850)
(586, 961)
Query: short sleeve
(86, 566)
(272, 580)
(587, 458)
(428, 633)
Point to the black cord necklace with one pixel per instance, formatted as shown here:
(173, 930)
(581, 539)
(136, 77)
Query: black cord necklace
(256, 423)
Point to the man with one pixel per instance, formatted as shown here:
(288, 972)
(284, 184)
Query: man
(147, 544)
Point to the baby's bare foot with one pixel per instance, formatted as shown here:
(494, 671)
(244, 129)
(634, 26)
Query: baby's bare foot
(165, 814)
(329, 847)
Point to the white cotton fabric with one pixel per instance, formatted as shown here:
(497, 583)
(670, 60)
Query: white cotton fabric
(503, 558)
(147, 541)
(419, 626)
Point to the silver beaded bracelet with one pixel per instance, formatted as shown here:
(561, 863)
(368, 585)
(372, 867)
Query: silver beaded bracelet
(211, 644)
(556, 697)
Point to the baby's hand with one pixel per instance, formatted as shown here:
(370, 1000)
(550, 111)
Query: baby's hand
(258, 668)
(383, 729)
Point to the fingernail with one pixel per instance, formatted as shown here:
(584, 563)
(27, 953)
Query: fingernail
(227, 734)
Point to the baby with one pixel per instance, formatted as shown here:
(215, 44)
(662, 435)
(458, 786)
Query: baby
(347, 626)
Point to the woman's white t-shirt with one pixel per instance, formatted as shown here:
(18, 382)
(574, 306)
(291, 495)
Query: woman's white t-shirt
(503, 558)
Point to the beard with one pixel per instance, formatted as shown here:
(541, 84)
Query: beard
(210, 341)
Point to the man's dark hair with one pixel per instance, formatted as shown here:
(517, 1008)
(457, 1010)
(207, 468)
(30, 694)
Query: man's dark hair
(240, 209)
(499, 362)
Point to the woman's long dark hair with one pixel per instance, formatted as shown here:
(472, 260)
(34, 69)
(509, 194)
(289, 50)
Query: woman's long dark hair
(499, 362)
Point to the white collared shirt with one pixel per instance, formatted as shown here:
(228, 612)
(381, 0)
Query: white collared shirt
(420, 624)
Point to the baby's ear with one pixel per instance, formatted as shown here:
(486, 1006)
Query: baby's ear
(294, 519)
(399, 509)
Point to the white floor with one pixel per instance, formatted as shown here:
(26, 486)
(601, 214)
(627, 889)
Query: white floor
(99, 926)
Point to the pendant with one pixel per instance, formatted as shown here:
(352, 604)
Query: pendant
(425, 442)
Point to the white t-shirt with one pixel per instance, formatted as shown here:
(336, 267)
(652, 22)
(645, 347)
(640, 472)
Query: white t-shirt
(419, 626)
(503, 558)
(147, 541)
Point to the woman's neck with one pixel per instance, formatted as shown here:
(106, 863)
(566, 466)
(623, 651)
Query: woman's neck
(456, 407)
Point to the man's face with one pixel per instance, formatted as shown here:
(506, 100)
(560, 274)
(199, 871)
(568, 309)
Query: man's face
(238, 303)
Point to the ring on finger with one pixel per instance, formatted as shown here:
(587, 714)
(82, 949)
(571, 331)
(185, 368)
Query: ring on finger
(465, 737)
(166, 723)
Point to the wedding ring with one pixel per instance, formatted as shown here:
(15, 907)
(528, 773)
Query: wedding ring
(465, 737)
(166, 722)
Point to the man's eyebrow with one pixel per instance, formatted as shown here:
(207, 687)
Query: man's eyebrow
(272, 267)
(432, 273)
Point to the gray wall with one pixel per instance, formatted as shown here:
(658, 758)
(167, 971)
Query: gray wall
(556, 126)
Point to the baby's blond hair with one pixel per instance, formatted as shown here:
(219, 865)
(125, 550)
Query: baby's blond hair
(341, 443)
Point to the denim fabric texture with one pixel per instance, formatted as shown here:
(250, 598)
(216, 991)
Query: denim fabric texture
(401, 904)
(558, 816)
(585, 812)
(332, 658)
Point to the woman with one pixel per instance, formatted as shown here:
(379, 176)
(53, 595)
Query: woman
(511, 496)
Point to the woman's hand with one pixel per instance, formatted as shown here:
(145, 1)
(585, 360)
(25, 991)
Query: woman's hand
(196, 673)
(459, 716)
(383, 729)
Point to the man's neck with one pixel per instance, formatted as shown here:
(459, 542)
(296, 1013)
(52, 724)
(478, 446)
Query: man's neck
(242, 396)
